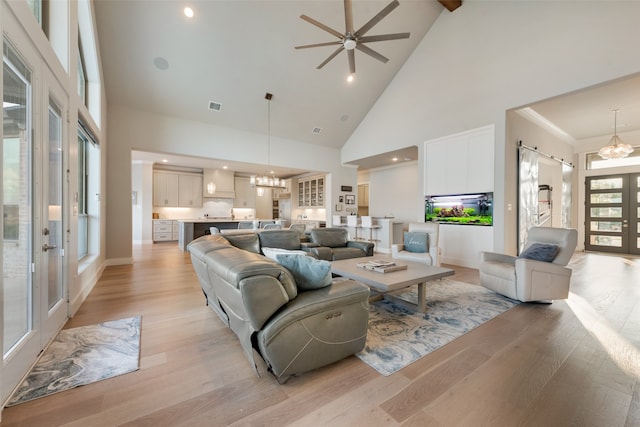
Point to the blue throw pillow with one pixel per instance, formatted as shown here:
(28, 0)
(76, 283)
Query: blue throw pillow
(416, 241)
(308, 272)
(541, 252)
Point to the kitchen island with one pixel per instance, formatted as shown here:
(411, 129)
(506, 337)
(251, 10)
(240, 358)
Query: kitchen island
(191, 229)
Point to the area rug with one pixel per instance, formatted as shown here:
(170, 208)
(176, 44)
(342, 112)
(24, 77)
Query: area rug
(399, 336)
(83, 355)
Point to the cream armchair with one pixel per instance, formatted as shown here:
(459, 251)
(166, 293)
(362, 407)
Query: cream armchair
(432, 256)
(527, 279)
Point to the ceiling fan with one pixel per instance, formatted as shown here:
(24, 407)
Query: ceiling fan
(351, 39)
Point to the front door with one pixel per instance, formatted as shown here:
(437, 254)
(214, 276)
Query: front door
(613, 213)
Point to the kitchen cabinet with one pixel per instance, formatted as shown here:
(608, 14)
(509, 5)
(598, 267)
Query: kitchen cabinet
(283, 193)
(165, 230)
(190, 190)
(461, 163)
(165, 189)
(245, 193)
(173, 189)
(222, 181)
(311, 192)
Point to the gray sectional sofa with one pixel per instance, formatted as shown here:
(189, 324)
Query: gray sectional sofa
(294, 330)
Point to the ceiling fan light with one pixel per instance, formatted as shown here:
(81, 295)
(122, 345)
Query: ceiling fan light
(349, 44)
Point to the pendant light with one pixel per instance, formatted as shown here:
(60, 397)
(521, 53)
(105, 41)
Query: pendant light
(616, 149)
(268, 179)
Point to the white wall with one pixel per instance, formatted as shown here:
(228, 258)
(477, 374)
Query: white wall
(392, 193)
(491, 56)
(138, 130)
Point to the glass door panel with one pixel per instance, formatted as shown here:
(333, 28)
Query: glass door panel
(53, 232)
(17, 212)
(21, 339)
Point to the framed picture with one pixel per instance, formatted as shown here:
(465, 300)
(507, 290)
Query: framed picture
(350, 199)
(338, 207)
(341, 199)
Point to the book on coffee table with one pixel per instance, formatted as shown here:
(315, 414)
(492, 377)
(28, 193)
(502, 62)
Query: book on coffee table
(381, 266)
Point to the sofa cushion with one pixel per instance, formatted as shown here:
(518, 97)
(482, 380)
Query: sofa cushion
(308, 272)
(331, 237)
(249, 242)
(284, 239)
(273, 252)
(416, 241)
(540, 252)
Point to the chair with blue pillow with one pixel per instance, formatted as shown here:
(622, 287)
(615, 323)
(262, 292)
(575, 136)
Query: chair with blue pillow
(539, 273)
(420, 244)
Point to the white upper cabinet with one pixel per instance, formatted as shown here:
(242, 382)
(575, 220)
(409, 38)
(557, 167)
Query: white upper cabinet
(311, 192)
(165, 189)
(461, 163)
(245, 193)
(175, 189)
(190, 190)
(218, 183)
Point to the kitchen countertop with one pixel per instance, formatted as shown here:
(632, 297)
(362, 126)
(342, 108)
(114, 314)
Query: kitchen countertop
(207, 220)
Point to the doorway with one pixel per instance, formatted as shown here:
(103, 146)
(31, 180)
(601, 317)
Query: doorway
(612, 213)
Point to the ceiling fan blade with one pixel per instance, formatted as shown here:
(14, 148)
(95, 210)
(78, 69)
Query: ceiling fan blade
(383, 37)
(352, 61)
(318, 45)
(321, 25)
(373, 21)
(364, 49)
(333, 55)
(348, 16)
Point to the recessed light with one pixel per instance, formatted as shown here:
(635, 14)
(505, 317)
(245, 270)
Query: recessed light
(188, 12)
(350, 78)
(225, 167)
(161, 63)
(165, 161)
(395, 159)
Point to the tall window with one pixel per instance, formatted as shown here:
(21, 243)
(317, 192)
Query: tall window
(82, 80)
(88, 193)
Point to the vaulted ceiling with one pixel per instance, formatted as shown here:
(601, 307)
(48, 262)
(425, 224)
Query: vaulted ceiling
(232, 52)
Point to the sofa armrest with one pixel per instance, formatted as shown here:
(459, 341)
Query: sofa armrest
(396, 248)
(262, 296)
(497, 257)
(366, 247)
(539, 280)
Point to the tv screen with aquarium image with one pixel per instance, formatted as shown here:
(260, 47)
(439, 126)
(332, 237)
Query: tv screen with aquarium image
(463, 209)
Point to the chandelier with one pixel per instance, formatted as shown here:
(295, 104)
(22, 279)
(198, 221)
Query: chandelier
(616, 149)
(268, 179)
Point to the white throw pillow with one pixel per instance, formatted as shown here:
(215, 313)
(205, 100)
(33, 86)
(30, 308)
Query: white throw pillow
(273, 252)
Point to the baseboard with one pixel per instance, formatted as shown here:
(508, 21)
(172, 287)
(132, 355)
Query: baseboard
(85, 289)
(119, 261)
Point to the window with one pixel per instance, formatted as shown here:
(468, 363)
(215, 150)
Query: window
(596, 162)
(36, 8)
(82, 82)
(88, 184)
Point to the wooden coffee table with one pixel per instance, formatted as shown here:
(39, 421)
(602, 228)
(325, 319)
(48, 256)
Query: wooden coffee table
(416, 273)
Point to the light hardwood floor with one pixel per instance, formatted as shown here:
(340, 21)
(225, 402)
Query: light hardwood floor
(571, 363)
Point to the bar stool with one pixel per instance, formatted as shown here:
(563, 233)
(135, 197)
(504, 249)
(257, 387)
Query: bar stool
(352, 221)
(367, 222)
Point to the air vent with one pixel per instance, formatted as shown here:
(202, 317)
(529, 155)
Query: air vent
(215, 106)
(316, 131)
